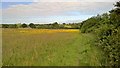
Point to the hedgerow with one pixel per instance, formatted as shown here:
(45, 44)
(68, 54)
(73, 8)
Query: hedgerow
(107, 29)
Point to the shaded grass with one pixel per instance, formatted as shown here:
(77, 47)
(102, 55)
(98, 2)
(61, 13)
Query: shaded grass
(49, 49)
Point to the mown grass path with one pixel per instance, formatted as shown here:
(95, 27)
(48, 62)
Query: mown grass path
(63, 48)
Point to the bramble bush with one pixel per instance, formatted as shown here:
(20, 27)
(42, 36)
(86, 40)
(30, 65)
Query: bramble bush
(107, 29)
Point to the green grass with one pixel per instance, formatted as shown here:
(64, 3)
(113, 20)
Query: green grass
(49, 49)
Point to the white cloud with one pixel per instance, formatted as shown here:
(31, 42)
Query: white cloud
(59, 0)
(0, 12)
(75, 0)
(57, 8)
(41, 11)
(0, 18)
(17, 0)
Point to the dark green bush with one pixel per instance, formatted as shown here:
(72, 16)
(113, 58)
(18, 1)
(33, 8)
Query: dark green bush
(107, 29)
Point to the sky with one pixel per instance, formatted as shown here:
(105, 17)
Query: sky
(49, 11)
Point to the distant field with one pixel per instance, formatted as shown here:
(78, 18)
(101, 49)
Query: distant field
(48, 47)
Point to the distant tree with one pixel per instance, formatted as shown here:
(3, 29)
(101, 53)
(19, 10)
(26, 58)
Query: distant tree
(24, 25)
(5, 25)
(32, 25)
(18, 25)
(55, 23)
(12, 26)
(63, 23)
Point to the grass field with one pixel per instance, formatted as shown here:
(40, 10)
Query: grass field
(45, 47)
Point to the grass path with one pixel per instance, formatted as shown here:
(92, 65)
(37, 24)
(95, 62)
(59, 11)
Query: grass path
(49, 49)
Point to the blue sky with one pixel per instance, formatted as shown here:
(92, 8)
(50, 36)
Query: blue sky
(48, 12)
(8, 4)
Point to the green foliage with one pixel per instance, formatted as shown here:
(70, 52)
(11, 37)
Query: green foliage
(54, 25)
(9, 26)
(90, 24)
(117, 4)
(13, 26)
(107, 29)
(32, 25)
(24, 25)
(5, 25)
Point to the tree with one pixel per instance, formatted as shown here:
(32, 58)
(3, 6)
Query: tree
(18, 25)
(115, 15)
(5, 25)
(55, 25)
(117, 9)
(63, 23)
(32, 25)
(117, 4)
(24, 25)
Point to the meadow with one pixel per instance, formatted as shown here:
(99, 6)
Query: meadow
(49, 47)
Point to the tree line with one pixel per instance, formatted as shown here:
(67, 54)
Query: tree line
(54, 25)
(106, 28)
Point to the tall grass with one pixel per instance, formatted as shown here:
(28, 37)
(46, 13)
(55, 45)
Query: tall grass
(25, 47)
